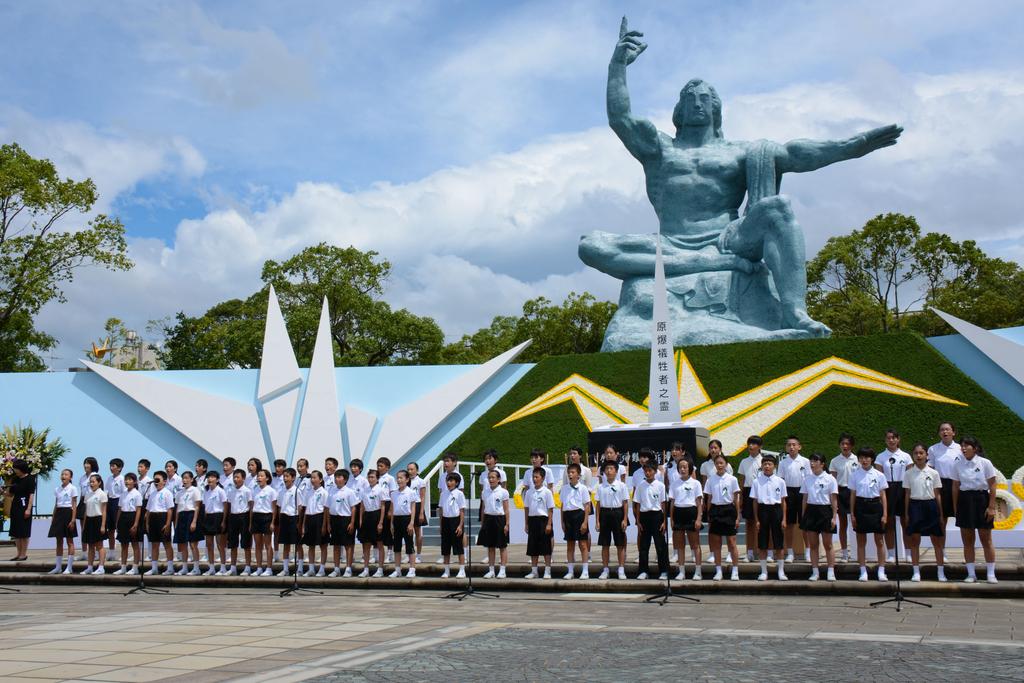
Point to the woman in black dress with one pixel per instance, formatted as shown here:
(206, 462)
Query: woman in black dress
(23, 489)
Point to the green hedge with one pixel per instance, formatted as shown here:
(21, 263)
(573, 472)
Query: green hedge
(728, 369)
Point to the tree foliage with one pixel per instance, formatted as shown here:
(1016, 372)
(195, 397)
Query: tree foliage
(878, 279)
(41, 247)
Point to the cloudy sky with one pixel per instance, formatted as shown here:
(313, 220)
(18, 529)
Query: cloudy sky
(467, 141)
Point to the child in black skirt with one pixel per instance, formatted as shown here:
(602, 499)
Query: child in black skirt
(538, 508)
(922, 504)
(494, 525)
(403, 504)
(95, 530)
(159, 510)
(214, 520)
(129, 521)
(371, 522)
(974, 505)
(687, 496)
(62, 526)
(264, 519)
(288, 505)
(820, 492)
(314, 524)
(868, 509)
(186, 532)
(453, 515)
(342, 510)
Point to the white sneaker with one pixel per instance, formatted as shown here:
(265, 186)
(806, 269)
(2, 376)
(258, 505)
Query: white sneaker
(585, 574)
(675, 557)
(461, 574)
(196, 572)
(718, 574)
(891, 557)
(395, 574)
(603, 575)
(844, 555)
(916, 577)
(88, 570)
(569, 576)
(446, 574)
(379, 574)
(247, 571)
(311, 571)
(750, 556)
(547, 572)
(347, 574)
(320, 572)
(728, 557)
(763, 576)
(622, 573)
(232, 571)
(789, 556)
(782, 576)
(830, 575)
(663, 576)
(642, 576)
(501, 572)
(411, 574)
(735, 575)
(532, 574)
(992, 579)
(881, 575)
(68, 570)
(134, 571)
(771, 556)
(100, 570)
(117, 572)
(807, 555)
(180, 572)
(696, 574)
(363, 574)
(56, 570)
(863, 575)
(814, 575)
(419, 558)
(440, 560)
(335, 573)
(681, 576)
(969, 579)
(169, 571)
(390, 556)
(489, 574)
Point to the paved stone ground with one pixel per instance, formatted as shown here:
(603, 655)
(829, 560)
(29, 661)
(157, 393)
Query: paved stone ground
(94, 633)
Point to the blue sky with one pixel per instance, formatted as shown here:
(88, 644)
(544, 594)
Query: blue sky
(467, 141)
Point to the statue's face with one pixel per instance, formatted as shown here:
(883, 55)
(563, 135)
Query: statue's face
(695, 106)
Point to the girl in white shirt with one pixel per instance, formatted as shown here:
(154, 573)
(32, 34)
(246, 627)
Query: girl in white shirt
(419, 514)
(974, 504)
(159, 510)
(723, 493)
(188, 500)
(841, 467)
(314, 521)
(90, 466)
(868, 509)
(687, 496)
(288, 504)
(494, 527)
(371, 522)
(214, 521)
(62, 526)
(95, 530)
(342, 510)
(129, 523)
(922, 505)
(264, 519)
(820, 493)
(252, 470)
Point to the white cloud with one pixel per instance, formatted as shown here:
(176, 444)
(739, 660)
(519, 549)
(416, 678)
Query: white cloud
(474, 241)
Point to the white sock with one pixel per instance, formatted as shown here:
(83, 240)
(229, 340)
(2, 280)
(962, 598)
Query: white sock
(299, 564)
(781, 565)
(764, 566)
(571, 566)
(153, 564)
(490, 567)
(60, 561)
(70, 559)
(285, 563)
(941, 571)
(991, 567)
(917, 570)
(970, 568)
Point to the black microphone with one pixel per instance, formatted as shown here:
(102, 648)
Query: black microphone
(892, 461)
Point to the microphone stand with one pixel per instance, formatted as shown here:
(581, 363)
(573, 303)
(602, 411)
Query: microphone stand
(667, 594)
(467, 537)
(898, 595)
(295, 588)
(142, 587)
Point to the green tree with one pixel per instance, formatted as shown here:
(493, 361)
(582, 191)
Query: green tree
(42, 244)
(365, 330)
(575, 326)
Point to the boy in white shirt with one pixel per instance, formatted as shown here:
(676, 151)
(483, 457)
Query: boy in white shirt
(748, 470)
(612, 518)
(770, 500)
(289, 504)
(538, 458)
(215, 523)
(419, 514)
(893, 462)
(575, 499)
(943, 456)
(239, 519)
(452, 509)
(793, 468)
(868, 508)
(841, 467)
(342, 509)
(538, 508)
(649, 499)
(403, 503)
(114, 486)
(371, 522)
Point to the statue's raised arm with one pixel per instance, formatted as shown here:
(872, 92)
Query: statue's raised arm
(638, 135)
(800, 156)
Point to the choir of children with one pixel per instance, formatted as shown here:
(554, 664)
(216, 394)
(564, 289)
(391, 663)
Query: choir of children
(303, 511)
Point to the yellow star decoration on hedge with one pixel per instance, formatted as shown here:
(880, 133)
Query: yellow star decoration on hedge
(732, 420)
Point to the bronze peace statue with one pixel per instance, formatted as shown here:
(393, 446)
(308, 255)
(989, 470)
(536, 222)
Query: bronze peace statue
(730, 277)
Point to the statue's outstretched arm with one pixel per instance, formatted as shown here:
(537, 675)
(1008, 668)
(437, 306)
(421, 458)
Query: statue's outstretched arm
(799, 156)
(638, 135)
